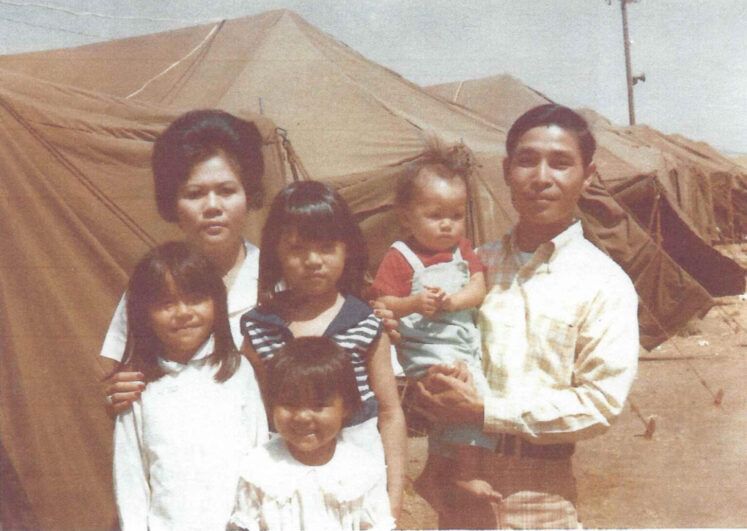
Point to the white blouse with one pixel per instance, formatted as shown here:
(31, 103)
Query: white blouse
(277, 492)
(177, 452)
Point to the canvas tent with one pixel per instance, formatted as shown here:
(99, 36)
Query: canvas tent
(685, 194)
(79, 208)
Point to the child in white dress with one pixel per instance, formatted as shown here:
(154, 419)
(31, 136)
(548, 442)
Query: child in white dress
(177, 451)
(308, 477)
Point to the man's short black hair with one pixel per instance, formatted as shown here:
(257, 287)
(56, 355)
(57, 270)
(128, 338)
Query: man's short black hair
(553, 114)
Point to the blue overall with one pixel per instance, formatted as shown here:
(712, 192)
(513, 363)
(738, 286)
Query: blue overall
(444, 338)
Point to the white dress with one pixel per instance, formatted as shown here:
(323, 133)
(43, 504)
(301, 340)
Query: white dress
(177, 452)
(277, 492)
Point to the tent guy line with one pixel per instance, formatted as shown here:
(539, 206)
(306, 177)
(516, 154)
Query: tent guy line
(101, 15)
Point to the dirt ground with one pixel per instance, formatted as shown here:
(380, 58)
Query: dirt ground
(691, 472)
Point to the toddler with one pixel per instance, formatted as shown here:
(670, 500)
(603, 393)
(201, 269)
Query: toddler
(433, 282)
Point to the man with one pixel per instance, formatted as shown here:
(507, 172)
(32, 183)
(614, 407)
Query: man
(559, 335)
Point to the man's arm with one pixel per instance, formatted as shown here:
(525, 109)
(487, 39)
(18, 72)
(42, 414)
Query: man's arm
(604, 370)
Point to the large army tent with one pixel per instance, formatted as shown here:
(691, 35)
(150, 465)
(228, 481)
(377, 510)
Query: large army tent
(77, 213)
(78, 210)
(684, 193)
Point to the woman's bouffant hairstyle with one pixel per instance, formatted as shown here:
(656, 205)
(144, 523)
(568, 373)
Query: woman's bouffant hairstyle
(174, 266)
(553, 114)
(311, 370)
(317, 213)
(446, 161)
(195, 137)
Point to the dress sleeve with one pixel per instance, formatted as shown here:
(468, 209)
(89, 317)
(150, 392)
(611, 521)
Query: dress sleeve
(116, 336)
(247, 509)
(376, 512)
(131, 477)
(470, 256)
(394, 276)
(253, 408)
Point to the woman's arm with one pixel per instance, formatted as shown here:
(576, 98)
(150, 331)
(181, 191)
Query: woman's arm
(391, 420)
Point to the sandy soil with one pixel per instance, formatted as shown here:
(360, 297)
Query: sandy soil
(691, 472)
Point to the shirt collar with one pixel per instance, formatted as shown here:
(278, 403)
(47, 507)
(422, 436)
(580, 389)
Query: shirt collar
(245, 282)
(547, 252)
(170, 366)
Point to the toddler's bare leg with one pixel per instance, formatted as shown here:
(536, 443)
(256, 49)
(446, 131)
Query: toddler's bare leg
(468, 478)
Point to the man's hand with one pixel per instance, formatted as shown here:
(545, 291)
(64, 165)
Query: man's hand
(449, 400)
(458, 370)
(122, 389)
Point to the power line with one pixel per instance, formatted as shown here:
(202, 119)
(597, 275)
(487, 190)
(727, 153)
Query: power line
(42, 26)
(100, 15)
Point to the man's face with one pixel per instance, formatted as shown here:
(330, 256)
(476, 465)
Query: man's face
(547, 175)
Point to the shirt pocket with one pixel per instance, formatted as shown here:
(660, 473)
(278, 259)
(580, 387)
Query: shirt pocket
(554, 339)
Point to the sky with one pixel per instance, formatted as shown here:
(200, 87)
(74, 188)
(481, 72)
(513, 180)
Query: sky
(693, 52)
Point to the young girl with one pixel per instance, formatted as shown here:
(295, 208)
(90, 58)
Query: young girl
(310, 272)
(432, 283)
(309, 478)
(177, 451)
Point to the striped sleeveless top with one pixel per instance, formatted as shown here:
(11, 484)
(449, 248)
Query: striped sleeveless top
(355, 328)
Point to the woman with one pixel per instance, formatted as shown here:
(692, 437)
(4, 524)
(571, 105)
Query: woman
(207, 170)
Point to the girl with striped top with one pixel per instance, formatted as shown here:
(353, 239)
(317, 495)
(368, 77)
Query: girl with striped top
(311, 271)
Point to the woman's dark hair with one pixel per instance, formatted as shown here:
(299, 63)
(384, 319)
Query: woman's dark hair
(553, 114)
(317, 213)
(168, 266)
(195, 137)
(311, 370)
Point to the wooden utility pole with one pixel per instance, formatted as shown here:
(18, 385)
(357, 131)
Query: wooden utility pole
(628, 68)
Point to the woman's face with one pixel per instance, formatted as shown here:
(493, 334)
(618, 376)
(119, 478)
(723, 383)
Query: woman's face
(211, 205)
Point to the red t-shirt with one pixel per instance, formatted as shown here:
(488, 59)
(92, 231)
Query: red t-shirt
(394, 276)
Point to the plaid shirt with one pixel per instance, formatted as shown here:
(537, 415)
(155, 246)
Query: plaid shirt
(560, 339)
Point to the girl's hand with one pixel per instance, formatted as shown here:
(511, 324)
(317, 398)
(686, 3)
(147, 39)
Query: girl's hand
(458, 370)
(122, 389)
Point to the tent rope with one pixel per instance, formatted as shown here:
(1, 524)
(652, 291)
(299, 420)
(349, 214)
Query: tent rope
(294, 162)
(175, 64)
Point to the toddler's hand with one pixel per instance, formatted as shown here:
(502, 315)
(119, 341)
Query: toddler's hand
(429, 301)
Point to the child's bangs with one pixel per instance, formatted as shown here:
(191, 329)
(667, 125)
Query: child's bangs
(316, 223)
(304, 387)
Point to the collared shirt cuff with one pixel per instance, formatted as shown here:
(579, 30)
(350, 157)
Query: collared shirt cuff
(498, 415)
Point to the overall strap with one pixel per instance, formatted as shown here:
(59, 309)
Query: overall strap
(410, 256)
(457, 254)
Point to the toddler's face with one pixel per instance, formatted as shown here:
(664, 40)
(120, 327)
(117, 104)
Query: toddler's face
(437, 213)
(310, 430)
(182, 323)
